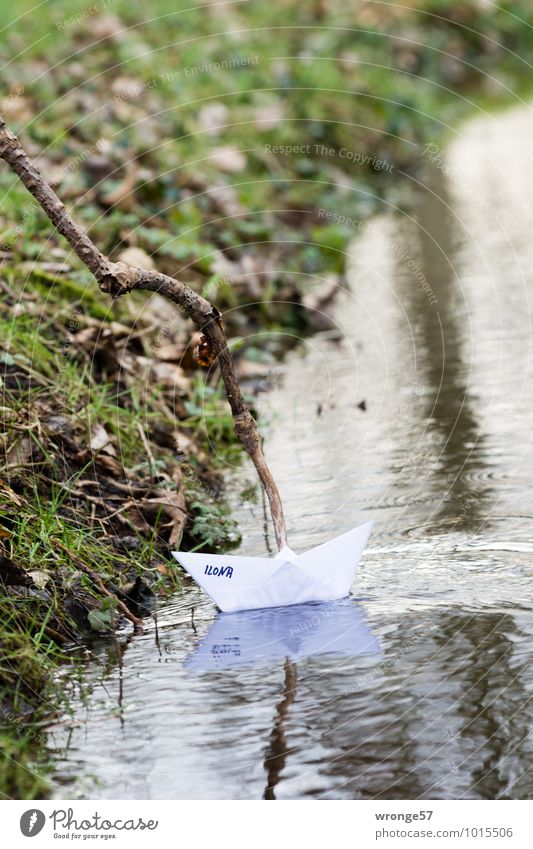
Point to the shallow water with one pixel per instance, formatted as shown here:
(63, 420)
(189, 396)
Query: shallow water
(421, 686)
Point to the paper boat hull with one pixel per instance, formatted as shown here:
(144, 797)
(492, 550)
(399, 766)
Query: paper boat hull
(235, 582)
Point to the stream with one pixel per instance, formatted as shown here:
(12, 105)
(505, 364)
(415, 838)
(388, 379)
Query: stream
(420, 685)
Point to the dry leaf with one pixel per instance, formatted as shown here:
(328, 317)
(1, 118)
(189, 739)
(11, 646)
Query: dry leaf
(225, 198)
(137, 257)
(213, 117)
(171, 375)
(126, 87)
(55, 268)
(7, 493)
(167, 509)
(19, 453)
(86, 335)
(17, 108)
(106, 26)
(39, 578)
(111, 464)
(229, 159)
(101, 439)
(169, 353)
(269, 116)
(124, 194)
(316, 303)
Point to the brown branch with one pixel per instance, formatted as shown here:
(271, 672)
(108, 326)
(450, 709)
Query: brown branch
(117, 278)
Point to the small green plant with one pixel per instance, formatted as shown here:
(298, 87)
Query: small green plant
(212, 525)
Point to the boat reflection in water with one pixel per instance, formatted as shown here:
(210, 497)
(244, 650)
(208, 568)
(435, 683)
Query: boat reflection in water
(293, 632)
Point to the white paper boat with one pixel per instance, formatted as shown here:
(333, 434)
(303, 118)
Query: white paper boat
(299, 631)
(323, 573)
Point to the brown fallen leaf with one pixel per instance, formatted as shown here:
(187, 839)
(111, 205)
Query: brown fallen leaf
(39, 578)
(169, 374)
(19, 453)
(126, 87)
(101, 439)
(7, 494)
(111, 464)
(226, 199)
(177, 476)
(137, 257)
(17, 108)
(57, 425)
(105, 25)
(213, 117)
(55, 268)
(123, 195)
(317, 303)
(85, 336)
(169, 353)
(157, 311)
(228, 159)
(167, 509)
(268, 116)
